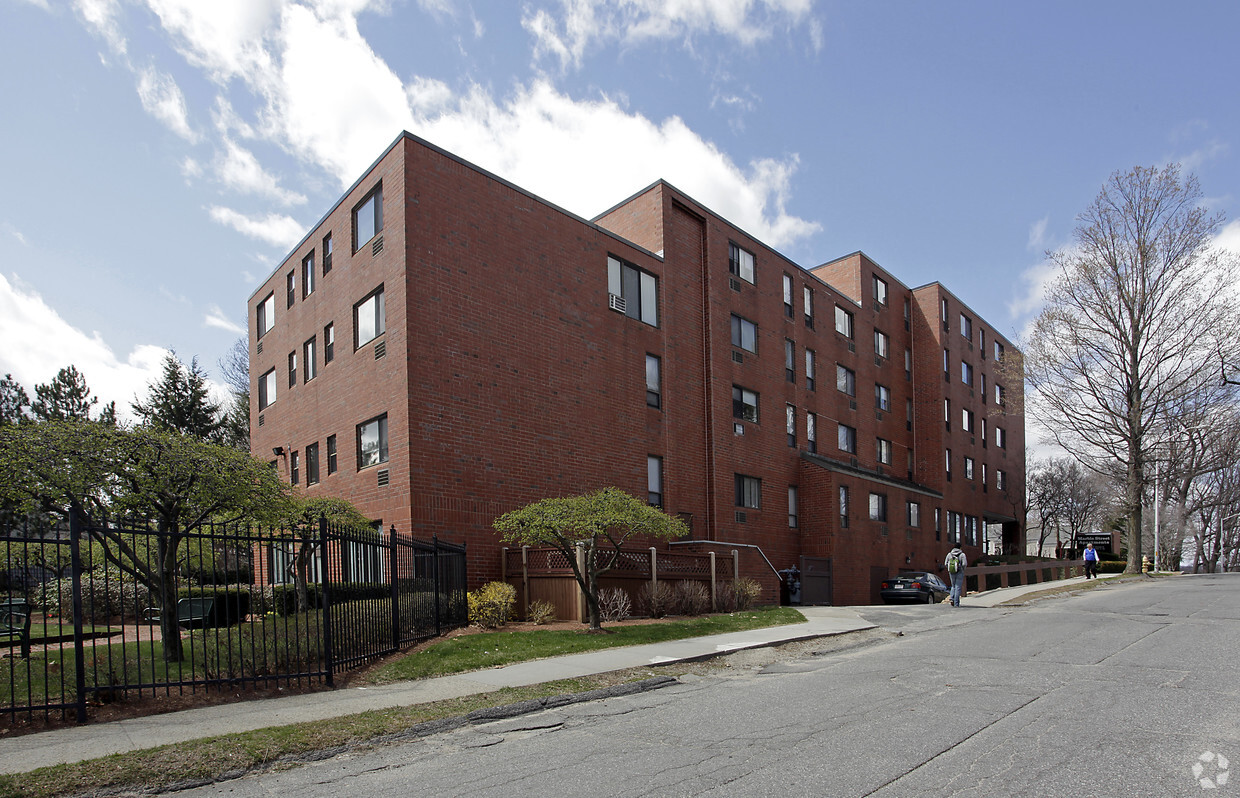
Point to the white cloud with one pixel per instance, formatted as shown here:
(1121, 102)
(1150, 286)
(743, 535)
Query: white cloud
(1037, 234)
(162, 99)
(238, 169)
(580, 24)
(101, 16)
(17, 234)
(1034, 281)
(1229, 237)
(277, 230)
(217, 318)
(49, 343)
(40, 3)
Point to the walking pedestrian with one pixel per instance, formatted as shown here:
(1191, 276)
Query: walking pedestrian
(1091, 562)
(956, 562)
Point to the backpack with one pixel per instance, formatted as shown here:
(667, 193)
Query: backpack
(953, 563)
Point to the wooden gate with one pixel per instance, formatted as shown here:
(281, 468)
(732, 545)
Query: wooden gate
(815, 580)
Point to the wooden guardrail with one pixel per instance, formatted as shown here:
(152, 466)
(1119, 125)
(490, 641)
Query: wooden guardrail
(977, 578)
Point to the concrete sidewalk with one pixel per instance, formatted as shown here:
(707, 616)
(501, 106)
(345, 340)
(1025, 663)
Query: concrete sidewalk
(91, 741)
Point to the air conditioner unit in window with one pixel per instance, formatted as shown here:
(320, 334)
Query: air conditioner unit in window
(734, 284)
(852, 347)
(740, 517)
(737, 357)
(615, 303)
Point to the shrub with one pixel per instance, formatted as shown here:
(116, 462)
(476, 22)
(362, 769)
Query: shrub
(725, 597)
(747, 593)
(491, 605)
(105, 595)
(541, 612)
(614, 604)
(1112, 566)
(690, 598)
(654, 602)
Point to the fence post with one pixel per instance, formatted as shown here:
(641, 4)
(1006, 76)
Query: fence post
(654, 572)
(525, 578)
(325, 580)
(393, 576)
(583, 609)
(79, 653)
(736, 565)
(714, 604)
(435, 571)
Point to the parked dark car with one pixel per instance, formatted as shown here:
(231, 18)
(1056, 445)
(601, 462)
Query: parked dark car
(915, 586)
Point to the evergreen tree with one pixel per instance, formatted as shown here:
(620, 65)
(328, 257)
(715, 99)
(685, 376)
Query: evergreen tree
(68, 397)
(13, 400)
(179, 402)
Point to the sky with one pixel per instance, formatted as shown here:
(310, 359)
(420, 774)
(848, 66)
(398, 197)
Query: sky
(159, 158)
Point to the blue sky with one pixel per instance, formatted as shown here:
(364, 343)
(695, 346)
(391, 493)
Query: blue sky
(160, 157)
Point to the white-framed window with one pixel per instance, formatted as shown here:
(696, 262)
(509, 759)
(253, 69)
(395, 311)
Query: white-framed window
(1001, 437)
(267, 389)
(883, 447)
(882, 397)
(882, 344)
(807, 296)
(654, 379)
(312, 463)
(848, 439)
(966, 327)
(966, 419)
(788, 309)
(998, 394)
(368, 217)
(998, 351)
(878, 506)
(943, 309)
(845, 380)
(329, 343)
(793, 520)
(290, 287)
(811, 431)
(880, 290)
(748, 492)
(968, 468)
(744, 404)
(369, 318)
(654, 480)
(809, 369)
(1000, 479)
(740, 262)
(307, 275)
(372, 442)
(292, 369)
(966, 373)
(294, 467)
(744, 334)
(266, 314)
(914, 514)
(633, 290)
(790, 361)
(790, 424)
(310, 368)
(281, 559)
(361, 561)
(843, 322)
(331, 455)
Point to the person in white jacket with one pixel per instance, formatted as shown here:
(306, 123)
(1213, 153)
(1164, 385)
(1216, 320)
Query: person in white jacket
(955, 563)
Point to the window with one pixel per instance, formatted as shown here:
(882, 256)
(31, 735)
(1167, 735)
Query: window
(908, 364)
(267, 390)
(809, 369)
(880, 290)
(947, 413)
(740, 262)
(792, 507)
(848, 439)
(331, 454)
(946, 363)
(1000, 437)
(943, 309)
(878, 507)
(998, 351)
(845, 380)
(966, 419)
(811, 431)
(938, 523)
(984, 476)
(372, 442)
(309, 361)
(983, 432)
(982, 376)
(882, 397)
(884, 450)
(744, 334)
(948, 465)
(294, 468)
(748, 492)
(327, 253)
(307, 275)
(329, 343)
(966, 373)
(635, 292)
(312, 464)
(808, 296)
(744, 404)
(843, 505)
(788, 295)
(361, 562)
(968, 468)
(843, 322)
(653, 391)
(908, 413)
(292, 369)
(654, 481)
(266, 315)
(790, 361)
(369, 319)
(966, 327)
(981, 342)
(790, 425)
(914, 514)
(882, 344)
(290, 286)
(368, 217)
(1000, 479)
(998, 394)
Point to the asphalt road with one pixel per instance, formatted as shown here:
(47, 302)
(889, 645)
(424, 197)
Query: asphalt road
(1118, 691)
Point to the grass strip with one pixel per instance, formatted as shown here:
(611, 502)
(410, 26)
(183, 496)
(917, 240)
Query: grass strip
(475, 652)
(1076, 587)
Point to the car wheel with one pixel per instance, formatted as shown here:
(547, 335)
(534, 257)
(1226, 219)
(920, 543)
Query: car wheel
(930, 597)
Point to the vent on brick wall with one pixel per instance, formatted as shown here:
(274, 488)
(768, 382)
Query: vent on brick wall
(852, 347)
(615, 303)
(882, 530)
(740, 517)
(878, 415)
(380, 349)
(376, 247)
(852, 461)
(734, 284)
(260, 419)
(852, 404)
(260, 347)
(382, 474)
(737, 357)
(878, 361)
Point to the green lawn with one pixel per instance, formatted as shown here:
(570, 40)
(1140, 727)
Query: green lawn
(474, 652)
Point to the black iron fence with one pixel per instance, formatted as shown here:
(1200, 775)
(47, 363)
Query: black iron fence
(94, 613)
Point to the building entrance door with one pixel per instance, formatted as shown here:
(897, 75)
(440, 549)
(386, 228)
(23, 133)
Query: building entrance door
(815, 580)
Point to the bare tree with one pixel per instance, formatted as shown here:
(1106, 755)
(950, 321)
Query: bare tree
(1140, 310)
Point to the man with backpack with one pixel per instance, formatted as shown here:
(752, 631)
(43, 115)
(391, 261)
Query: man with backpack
(955, 563)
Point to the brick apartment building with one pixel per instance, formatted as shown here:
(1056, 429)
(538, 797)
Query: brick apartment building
(444, 347)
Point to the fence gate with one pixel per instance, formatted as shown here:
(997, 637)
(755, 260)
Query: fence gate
(815, 580)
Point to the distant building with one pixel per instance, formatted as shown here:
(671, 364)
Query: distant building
(444, 347)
